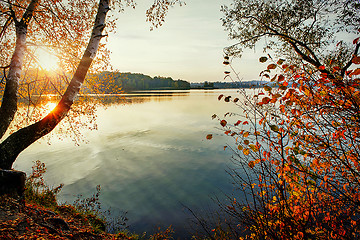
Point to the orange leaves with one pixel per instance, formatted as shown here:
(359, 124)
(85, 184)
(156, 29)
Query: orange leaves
(262, 120)
(355, 72)
(356, 60)
(223, 123)
(265, 100)
(251, 163)
(307, 122)
(246, 151)
(282, 108)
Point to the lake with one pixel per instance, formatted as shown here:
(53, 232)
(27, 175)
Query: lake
(150, 156)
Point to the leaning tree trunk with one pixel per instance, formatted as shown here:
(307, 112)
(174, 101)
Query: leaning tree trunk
(20, 140)
(9, 103)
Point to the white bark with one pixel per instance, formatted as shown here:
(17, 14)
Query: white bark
(9, 102)
(20, 140)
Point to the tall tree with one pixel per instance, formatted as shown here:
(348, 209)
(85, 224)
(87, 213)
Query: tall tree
(297, 139)
(58, 24)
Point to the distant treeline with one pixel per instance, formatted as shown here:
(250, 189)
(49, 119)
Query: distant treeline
(225, 85)
(137, 81)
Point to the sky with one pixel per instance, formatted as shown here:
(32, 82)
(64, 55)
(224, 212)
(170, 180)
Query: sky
(189, 45)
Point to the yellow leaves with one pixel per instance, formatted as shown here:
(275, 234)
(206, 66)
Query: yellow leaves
(323, 93)
(267, 88)
(254, 148)
(246, 151)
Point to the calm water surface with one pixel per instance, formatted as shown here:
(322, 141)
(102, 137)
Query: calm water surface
(150, 157)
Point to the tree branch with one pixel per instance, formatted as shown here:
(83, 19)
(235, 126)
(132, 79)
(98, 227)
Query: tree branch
(343, 70)
(20, 140)
(9, 103)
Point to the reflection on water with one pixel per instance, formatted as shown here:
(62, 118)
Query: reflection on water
(150, 157)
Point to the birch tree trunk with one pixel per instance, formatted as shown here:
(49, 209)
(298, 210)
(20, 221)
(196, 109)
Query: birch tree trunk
(11, 147)
(10, 98)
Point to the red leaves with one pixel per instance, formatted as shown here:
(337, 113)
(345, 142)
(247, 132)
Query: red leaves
(223, 123)
(321, 68)
(226, 99)
(355, 72)
(355, 40)
(209, 136)
(281, 78)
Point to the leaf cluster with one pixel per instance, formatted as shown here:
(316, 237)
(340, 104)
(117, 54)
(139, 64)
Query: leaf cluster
(297, 153)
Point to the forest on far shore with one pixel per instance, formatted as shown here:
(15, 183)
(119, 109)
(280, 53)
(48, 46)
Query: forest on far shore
(128, 82)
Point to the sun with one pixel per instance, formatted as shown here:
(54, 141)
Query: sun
(49, 106)
(46, 60)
